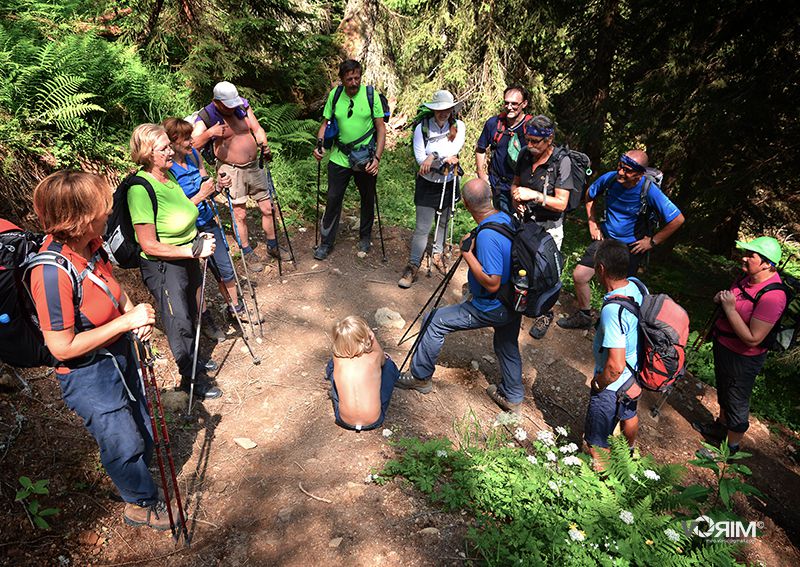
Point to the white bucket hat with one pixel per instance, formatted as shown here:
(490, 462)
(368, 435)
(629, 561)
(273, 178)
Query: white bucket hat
(443, 100)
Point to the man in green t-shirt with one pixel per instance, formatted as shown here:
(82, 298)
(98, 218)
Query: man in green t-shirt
(359, 126)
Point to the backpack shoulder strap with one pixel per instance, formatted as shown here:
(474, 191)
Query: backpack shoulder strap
(772, 287)
(504, 229)
(643, 195)
(337, 93)
(134, 179)
(370, 98)
(58, 260)
(426, 130)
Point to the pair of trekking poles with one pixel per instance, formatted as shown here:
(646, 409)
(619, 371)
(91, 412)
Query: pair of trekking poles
(316, 220)
(456, 174)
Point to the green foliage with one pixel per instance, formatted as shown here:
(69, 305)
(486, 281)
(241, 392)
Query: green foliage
(548, 506)
(32, 506)
(287, 133)
(729, 473)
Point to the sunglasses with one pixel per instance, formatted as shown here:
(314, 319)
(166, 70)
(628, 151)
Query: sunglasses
(625, 168)
(530, 140)
(511, 103)
(350, 109)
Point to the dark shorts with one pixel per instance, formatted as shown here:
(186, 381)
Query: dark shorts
(602, 415)
(588, 258)
(736, 376)
(389, 375)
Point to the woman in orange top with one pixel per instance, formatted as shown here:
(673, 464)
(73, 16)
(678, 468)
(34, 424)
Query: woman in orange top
(97, 370)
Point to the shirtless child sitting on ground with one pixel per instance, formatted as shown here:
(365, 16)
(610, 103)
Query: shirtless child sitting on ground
(362, 377)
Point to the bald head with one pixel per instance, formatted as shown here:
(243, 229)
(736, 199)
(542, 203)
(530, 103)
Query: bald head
(477, 195)
(639, 157)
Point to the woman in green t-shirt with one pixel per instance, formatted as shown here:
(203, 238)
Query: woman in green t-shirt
(170, 249)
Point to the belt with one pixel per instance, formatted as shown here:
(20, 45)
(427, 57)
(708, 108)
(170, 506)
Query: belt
(249, 165)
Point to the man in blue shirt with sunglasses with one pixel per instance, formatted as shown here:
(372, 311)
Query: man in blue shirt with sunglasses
(626, 220)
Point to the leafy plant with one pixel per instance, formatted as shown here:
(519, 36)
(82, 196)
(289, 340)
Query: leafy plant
(729, 473)
(36, 514)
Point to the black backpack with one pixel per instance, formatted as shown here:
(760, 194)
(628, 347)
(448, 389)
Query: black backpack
(535, 251)
(21, 341)
(120, 238)
(579, 173)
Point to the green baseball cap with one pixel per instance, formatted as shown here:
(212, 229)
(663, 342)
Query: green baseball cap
(766, 247)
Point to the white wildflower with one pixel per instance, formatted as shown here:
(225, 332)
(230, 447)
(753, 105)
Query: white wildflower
(562, 431)
(387, 432)
(532, 460)
(371, 478)
(441, 453)
(546, 438)
(634, 478)
(652, 475)
(626, 517)
(551, 456)
(576, 534)
(672, 535)
(570, 448)
(572, 460)
(553, 486)
(520, 434)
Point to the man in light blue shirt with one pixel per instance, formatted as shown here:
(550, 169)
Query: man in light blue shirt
(616, 353)
(625, 221)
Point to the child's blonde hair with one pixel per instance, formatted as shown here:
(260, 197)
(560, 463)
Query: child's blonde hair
(352, 337)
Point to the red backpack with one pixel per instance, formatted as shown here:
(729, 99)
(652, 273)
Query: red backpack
(663, 334)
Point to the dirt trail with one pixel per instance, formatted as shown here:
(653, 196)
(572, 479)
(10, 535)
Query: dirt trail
(247, 507)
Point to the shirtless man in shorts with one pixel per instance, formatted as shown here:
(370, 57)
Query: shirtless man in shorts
(238, 138)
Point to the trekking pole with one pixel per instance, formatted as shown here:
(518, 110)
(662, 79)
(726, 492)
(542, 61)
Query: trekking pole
(155, 410)
(438, 218)
(239, 290)
(656, 410)
(244, 264)
(197, 336)
(380, 226)
(452, 213)
(702, 337)
(316, 219)
(441, 289)
(277, 203)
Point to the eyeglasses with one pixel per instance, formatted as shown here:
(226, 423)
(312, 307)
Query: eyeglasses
(626, 169)
(511, 103)
(534, 140)
(164, 151)
(350, 109)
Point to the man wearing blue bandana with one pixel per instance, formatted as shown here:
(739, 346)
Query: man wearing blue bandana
(624, 221)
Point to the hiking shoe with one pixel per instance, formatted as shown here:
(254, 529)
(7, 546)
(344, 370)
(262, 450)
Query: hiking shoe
(501, 400)
(364, 245)
(276, 252)
(209, 366)
(540, 325)
(210, 328)
(713, 430)
(254, 263)
(203, 388)
(578, 320)
(409, 276)
(153, 516)
(408, 382)
(322, 251)
(242, 313)
(438, 262)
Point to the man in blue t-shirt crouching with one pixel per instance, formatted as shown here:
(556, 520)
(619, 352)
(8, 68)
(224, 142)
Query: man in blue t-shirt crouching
(489, 262)
(623, 191)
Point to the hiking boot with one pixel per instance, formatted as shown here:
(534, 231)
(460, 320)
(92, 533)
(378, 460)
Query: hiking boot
(153, 516)
(438, 262)
(578, 320)
(364, 245)
(409, 276)
(501, 400)
(276, 252)
(408, 382)
(209, 366)
(322, 251)
(203, 388)
(540, 325)
(713, 430)
(209, 327)
(254, 263)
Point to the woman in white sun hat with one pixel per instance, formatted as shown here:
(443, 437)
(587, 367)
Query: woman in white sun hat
(438, 137)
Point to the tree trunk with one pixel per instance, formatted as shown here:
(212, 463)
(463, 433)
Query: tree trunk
(599, 82)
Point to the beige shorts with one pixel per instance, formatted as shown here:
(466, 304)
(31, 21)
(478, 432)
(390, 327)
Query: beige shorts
(246, 181)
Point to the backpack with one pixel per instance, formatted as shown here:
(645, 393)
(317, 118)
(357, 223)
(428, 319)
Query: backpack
(331, 135)
(21, 341)
(120, 238)
(663, 327)
(535, 251)
(515, 145)
(579, 174)
(211, 116)
(783, 334)
(646, 218)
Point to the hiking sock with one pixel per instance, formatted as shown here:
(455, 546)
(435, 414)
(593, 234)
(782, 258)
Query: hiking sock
(247, 250)
(272, 243)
